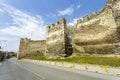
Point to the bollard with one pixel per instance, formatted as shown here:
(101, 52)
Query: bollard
(106, 69)
(73, 65)
(86, 67)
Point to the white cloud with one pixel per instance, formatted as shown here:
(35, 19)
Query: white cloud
(67, 11)
(73, 22)
(23, 25)
(78, 6)
(4, 38)
(1, 10)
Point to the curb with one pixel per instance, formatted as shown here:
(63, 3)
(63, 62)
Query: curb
(86, 67)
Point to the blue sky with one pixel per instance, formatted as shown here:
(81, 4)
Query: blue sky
(29, 18)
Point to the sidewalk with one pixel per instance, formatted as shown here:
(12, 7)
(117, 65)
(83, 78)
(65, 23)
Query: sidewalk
(93, 68)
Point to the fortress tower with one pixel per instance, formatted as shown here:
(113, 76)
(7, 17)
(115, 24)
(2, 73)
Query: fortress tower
(57, 40)
(30, 48)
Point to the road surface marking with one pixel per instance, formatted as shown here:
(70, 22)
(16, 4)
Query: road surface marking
(43, 78)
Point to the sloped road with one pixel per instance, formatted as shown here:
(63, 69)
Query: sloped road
(21, 70)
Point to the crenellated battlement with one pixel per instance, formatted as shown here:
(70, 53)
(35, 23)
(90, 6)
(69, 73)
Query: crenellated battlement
(93, 15)
(84, 19)
(56, 26)
(25, 40)
(87, 18)
(92, 32)
(61, 22)
(57, 23)
(79, 21)
(112, 2)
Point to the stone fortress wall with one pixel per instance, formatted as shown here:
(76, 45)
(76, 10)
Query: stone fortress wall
(57, 40)
(98, 33)
(30, 48)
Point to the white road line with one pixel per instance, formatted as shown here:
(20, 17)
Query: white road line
(43, 78)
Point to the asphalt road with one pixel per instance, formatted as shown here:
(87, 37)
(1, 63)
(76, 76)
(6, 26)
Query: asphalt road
(22, 70)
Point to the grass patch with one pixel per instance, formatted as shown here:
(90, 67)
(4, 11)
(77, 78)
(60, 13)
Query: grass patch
(96, 60)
